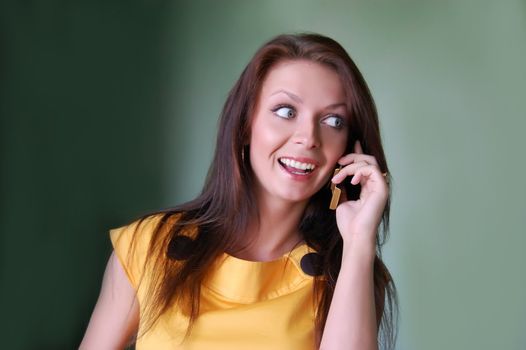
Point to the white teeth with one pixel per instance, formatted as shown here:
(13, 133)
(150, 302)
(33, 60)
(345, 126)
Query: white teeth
(298, 165)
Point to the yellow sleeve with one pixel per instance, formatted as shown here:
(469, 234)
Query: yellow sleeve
(131, 243)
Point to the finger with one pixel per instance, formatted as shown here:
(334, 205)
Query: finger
(355, 157)
(354, 171)
(369, 172)
(358, 147)
(348, 170)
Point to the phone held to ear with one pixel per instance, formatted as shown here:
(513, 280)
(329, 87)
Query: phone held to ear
(336, 191)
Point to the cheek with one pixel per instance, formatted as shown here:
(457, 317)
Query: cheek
(266, 136)
(335, 146)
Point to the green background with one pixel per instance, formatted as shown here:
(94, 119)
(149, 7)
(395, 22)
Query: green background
(109, 110)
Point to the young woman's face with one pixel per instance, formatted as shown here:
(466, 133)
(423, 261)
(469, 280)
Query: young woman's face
(299, 130)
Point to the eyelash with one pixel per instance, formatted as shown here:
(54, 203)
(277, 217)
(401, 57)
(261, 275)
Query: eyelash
(278, 107)
(342, 121)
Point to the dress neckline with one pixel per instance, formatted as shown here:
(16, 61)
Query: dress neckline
(301, 246)
(246, 281)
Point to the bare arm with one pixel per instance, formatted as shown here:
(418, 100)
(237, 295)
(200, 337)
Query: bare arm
(116, 315)
(351, 322)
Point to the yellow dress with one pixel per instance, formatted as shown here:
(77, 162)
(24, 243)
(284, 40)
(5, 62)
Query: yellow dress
(244, 304)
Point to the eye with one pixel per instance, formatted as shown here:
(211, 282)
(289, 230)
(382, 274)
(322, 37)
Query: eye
(335, 121)
(286, 112)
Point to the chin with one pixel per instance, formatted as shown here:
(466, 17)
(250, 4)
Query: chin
(296, 197)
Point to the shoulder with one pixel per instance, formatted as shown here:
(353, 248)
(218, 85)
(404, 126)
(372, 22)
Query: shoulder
(138, 231)
(142, 230)
(135, 242)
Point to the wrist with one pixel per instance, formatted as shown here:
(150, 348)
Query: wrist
(361, 249)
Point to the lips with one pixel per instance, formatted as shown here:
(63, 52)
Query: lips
(298, 166)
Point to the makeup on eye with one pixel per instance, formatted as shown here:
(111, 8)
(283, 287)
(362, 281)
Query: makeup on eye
(335, 120)
(286, 111)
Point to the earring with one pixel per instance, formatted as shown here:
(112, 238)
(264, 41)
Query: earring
(243, 152)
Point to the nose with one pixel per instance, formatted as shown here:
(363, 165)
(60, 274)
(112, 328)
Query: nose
(307, 134)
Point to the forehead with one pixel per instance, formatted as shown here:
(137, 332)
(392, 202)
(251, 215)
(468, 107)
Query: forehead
(309, 80)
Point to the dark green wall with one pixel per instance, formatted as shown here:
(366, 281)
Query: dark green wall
(81, 152)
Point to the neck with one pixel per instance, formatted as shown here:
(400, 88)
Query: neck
(275, 233)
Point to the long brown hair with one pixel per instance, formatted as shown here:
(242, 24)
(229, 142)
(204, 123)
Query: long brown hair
(220, 214)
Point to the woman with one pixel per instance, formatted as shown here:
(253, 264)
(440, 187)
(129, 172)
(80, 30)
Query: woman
(258, 260)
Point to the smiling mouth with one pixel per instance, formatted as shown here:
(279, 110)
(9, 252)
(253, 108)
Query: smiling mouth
(295, 167)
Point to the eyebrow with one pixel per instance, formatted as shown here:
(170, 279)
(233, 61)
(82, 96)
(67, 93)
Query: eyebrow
(299, 100)
(336, 105)
(289, 94)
